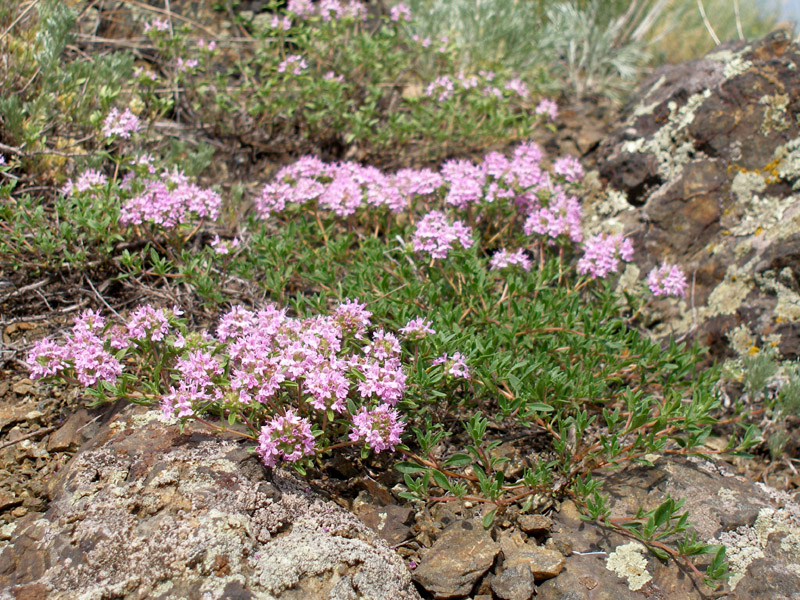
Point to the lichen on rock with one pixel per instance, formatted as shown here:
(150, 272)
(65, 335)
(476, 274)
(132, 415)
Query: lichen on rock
(628, 561)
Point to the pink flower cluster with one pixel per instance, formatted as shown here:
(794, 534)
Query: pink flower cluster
(84, 354)
(667, 280)
(400, 12)
(455, 365)
(504, 259)
(267, 348)
(548, 108)
(380, 428)
(603, 253)
(294, 62)
(436, 236)
(519, 180)
(328, 9)
(341, 188)
(570, 168)
(445, 87)
(90, 179)
(417, 329)
(561, 218)
(285, 438)
(156, 25)
(170, 202)
(119, 124)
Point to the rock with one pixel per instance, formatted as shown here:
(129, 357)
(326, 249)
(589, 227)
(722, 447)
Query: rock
(22, 387)
(460, 557)
(760, 528)
(143, 511)
(703, 169)
(537, 525)
(389, 522)
(515, 583)
(543, 563)
(8, 500)
(69, 435)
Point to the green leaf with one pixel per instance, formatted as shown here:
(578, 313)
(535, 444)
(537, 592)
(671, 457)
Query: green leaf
(489, 518)
(441, 479)
(409, 467)
(458, 460)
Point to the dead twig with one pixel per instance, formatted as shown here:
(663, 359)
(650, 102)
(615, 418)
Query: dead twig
(33, 434)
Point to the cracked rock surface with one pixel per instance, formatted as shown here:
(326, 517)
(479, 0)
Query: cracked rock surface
(143, 511)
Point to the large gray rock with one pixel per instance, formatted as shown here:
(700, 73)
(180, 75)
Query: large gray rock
(146, 512)
(703, 169)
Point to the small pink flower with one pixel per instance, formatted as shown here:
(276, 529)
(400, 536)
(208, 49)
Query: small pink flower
(120, 124)
(400, 12)
(667, 280)
(504, 259)
(548, 108)
(436, 236)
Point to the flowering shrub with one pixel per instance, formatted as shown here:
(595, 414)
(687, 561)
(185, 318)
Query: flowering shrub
(296, 383)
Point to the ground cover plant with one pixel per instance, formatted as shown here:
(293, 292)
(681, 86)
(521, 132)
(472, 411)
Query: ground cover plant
(423, 312)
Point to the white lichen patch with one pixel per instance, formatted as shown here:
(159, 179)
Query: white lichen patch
(746, 184)
(729, 294)
(746, 544)
(630, 280)
(615, 202)
(628, 561)
(775, 116)
(736, 66)
(741, 549)
(137, 421)
(788, 161)
(788, 306)
(671, 145)
(728, 496)
(761, 213)
(741, 340)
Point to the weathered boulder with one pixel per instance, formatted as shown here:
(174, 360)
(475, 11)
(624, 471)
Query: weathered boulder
(143, 511)
(703, 169)
(760, 528)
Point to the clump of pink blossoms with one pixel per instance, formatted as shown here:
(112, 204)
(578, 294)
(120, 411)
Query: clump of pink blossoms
(436, 236)
(83, 352)
(120, 124)
(547, 107)
(560, 218)
(285, 438)
(89, 179)
(170, 203)
(503, 259)
(417, 329)
(400, 12)
(380, 428)
(603, 253)
(455, 365)
(667, 280)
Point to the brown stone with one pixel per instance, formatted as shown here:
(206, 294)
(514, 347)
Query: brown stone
(537, 525)
(461, 556)
(69, 435)
(543, 563)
